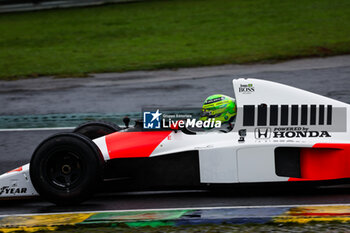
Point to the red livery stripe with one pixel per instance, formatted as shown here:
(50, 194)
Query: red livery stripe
(134, 144)
(324, 161)
(16, 170)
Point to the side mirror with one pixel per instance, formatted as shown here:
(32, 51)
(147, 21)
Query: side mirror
(242, 132)
(126, 121)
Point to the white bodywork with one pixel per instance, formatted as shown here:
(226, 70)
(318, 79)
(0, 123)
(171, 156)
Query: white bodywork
(17, 183)
(225, 158)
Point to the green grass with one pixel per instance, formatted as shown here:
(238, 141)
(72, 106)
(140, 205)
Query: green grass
(170, 34)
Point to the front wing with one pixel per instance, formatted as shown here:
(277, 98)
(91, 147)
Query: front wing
(17, 183)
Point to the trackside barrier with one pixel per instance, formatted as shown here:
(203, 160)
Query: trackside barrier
(7, 6)
(61, 120)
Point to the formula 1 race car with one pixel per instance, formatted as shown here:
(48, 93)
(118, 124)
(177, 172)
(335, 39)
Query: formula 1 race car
(281, 134)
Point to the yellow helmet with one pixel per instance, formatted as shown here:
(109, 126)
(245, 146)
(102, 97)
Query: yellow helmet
(220, 107)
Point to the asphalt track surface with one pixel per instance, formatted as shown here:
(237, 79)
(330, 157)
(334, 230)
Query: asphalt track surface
(106, 93)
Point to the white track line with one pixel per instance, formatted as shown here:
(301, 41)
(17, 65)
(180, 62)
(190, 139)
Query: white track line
(170, 209)
(35, 129)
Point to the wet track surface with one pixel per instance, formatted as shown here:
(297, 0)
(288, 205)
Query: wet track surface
(188, 88)
(257, 196)
(16, 147)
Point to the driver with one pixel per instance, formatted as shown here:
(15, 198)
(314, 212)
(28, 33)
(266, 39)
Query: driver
(221, 108)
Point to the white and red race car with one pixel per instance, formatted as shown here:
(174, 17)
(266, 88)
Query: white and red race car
(281, 134)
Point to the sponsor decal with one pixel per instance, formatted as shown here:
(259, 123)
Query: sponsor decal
(242, 133)
(151, 120)
(15, 190)
(262, 133)
(289, 132)
(246, 88)
(214, 100)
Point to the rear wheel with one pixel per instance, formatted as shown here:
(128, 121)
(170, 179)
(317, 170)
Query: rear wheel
(96, 129)
(66, 168)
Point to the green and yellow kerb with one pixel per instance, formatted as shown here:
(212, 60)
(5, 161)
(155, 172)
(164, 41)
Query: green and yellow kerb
(220, 108)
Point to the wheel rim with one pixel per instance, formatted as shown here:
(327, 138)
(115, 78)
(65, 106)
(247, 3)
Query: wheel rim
(64, 169)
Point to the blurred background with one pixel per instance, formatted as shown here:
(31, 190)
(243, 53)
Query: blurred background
(66, 62)
(149, 35)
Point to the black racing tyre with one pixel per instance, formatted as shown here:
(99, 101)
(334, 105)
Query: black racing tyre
(96, 129)
(66, 168)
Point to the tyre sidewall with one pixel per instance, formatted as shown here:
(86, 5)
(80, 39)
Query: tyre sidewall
(91, 172)
(96, 129)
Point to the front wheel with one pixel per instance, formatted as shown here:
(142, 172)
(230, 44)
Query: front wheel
(66, 168)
